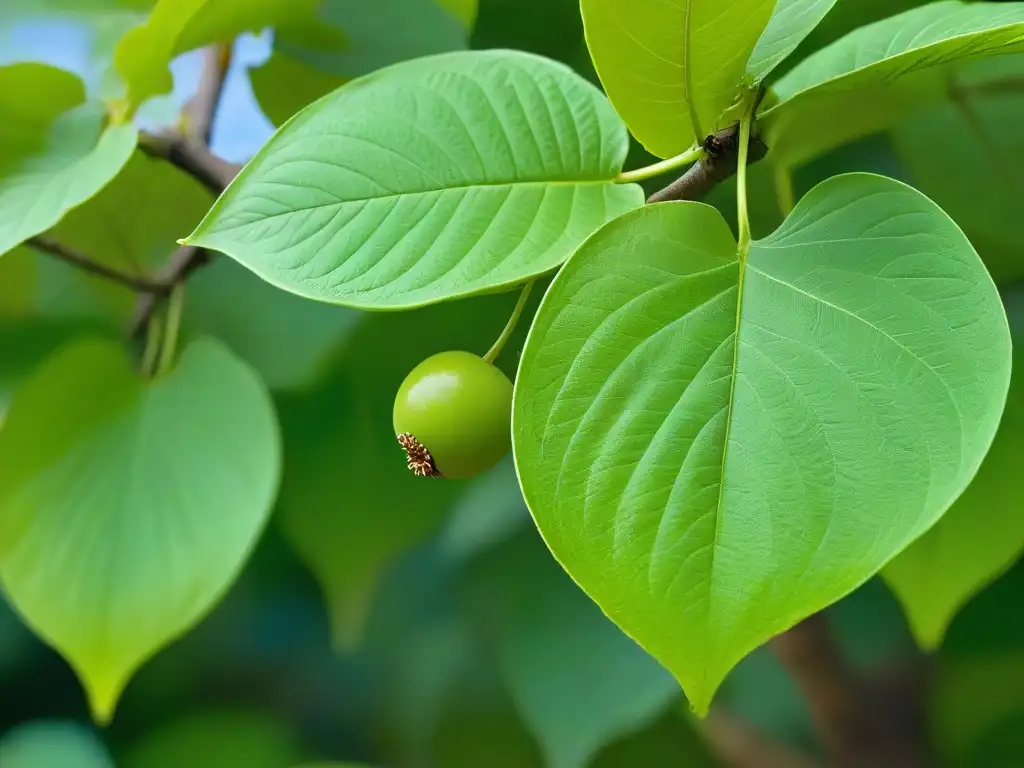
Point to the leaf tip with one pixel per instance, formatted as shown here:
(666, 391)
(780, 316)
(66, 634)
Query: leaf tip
(104, 692)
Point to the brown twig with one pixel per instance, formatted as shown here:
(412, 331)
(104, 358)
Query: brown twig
(718, 165)
(737, 744)
(189, 150)
(52, 247)
(861, 725)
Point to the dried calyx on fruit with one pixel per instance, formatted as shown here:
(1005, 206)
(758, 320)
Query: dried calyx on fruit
(453, 416)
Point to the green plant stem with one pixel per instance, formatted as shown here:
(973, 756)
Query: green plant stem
(152, 347)
(692, 155)
(742, 213)
(494, 351)
(172, 325)
(784, 189)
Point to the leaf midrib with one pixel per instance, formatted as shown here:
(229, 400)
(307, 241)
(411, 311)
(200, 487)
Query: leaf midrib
(688, 73)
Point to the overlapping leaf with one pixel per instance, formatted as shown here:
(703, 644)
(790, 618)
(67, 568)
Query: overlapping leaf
(980, 537)
(128, 507)
(56, 150)
(717, 448)
(877, 74)
(672, 69)
(448, 176)
(791, 22)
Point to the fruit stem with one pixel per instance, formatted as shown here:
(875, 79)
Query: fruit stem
(510, 326)
(692, 155)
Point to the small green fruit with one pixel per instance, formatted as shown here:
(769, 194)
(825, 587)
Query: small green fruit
(453, 415)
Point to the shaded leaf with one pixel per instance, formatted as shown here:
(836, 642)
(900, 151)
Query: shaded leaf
(672, 69)
(434, 179)
(144, 54)
(791, 22)
(976, 541)
(961, 154)
(56, 150)
(53, 744)
(664, 418)
(868, 80)
(123, 521)
(578, 682)
(345, 40)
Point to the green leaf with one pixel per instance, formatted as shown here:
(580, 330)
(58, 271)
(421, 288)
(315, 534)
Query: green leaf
(672, 69)
(144, 54)
(346, 40)
(791, 22)
(444, 177)
(53, 744)
(578, 682)
(961, 155)
(128, 507)
(217, 739)
(55, 152)
(713, 464)
(980, 537)
(868, 80)
(349, 506)
(670, 742)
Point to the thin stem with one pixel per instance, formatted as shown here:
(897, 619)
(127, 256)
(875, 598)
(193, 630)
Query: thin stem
(784, 189)
(152, 347)
(692, 155)
(742, 213)
(172, 326)
(510, 326)
(51, 247)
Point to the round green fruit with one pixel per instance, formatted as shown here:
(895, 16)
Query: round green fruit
(453, 415)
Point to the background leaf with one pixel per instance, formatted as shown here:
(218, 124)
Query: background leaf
(109, 565)
(444, 177)
(658, 478)
(53, 744)
(578, 682)
(54, 154)
(868, 80)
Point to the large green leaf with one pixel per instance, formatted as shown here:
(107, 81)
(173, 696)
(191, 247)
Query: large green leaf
(448, 176)
(977, 540)
(56, 151)
(791, 22)
(53, 744)
(348, 504)
(578, 682)
(672, 68)
(961, 155)
(716, 448)
(877, 74)
(127, 507)
(345, 40)
(143, 56)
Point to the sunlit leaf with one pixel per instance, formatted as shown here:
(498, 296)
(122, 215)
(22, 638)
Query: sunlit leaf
(144, 54)
(980, 537)
(444, 177)
(56, 150)
(791, 22)
(127, 507)
(578, 682)
(879, 73)
(672, 401)
(672, 68)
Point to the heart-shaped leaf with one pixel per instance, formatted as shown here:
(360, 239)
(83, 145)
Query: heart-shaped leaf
(791, 22)
(716, 447)
(672, 68)
(437, 178)
(344, 40)
(877, 74)
(980, 537)
(55, 153)
(128, 507)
